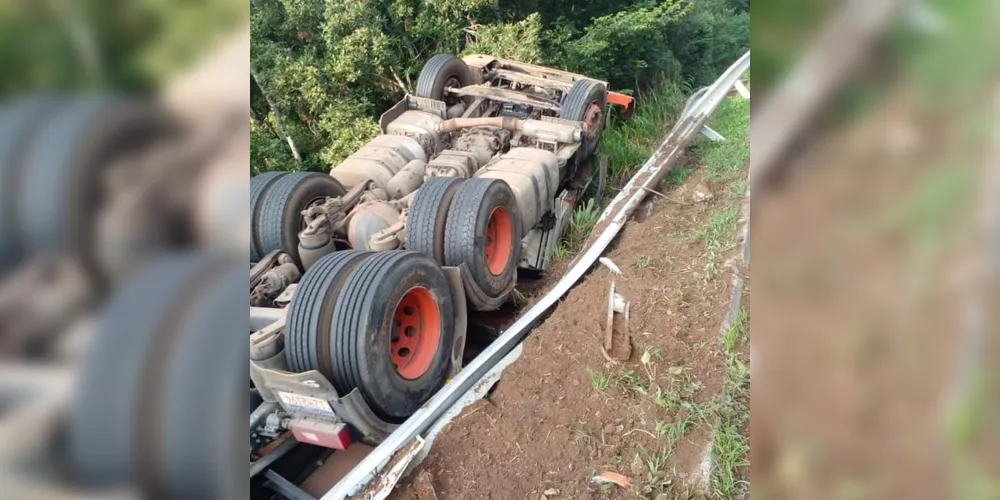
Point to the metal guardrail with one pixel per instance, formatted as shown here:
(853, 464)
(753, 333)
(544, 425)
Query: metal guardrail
(612, 221)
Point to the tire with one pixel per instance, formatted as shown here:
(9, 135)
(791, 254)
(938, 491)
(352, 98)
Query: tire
(484, 232)
(391, 287)
(104, 417)
(280, 219)
(440, 71)
(310, 315)
(425, 224)
(579, 106)
(259, 185)
(18, 123)
(60, 186)
(202, 398)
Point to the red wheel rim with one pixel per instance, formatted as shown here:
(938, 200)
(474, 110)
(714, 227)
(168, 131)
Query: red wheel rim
(416, 333)
(499, 241)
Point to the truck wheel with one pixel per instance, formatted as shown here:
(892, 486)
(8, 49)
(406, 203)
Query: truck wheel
(104, 417)
(484, 232)
(280, 220)
(310, 315)
(393, 333)
(206, 371)
(60, 180)
(259, 186)
(17, 124)
(441, 71)
(425, 224)
(587, 102)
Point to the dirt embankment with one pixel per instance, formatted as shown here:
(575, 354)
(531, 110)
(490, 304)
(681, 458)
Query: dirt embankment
(563, 413)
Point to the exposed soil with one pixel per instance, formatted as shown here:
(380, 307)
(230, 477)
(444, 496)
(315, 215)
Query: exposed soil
(547, 427)
(858, 333)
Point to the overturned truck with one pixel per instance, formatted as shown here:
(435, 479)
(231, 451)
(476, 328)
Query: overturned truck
(362, 281)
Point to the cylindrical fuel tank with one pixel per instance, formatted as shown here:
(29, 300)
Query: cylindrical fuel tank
(379, 160)
(533, 176)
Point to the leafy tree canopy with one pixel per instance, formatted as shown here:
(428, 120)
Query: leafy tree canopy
(326, 68)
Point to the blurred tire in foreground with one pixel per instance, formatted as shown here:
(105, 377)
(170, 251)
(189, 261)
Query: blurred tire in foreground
(161, 399)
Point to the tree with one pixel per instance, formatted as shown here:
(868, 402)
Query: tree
(326, 69)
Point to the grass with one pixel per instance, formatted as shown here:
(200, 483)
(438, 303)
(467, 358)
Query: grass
(625, 381)
(731, 447)
(719, 233)
(725, 160)
(582, 222)
(731, 450)
(520, 298)
(738, 189)
(674, 431)
(658, 477)
(673, 389)
(738, 332)
(561, 251)
(629, 143)
(600, 380)
(643, 262)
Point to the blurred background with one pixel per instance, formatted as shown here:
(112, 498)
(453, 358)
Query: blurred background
(124, 145)
(875, 152)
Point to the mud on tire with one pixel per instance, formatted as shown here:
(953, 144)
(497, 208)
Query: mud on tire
(484, 233)
(587, 101)
(425, 225)
(279, 221)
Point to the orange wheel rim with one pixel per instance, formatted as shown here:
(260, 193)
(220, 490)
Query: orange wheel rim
(416, 333)
(499, 241)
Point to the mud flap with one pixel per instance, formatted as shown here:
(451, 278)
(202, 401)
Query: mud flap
(455, 280)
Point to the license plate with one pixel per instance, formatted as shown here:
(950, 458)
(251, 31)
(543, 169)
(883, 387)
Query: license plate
(310, 404)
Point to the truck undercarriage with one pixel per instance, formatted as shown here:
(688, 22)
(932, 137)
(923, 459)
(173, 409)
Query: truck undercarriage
(363, 281)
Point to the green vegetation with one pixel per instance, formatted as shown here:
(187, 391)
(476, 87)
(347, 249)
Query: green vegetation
(627, 382)
(600, 380)
(89, 44)
(731, 445)
(738, 332)
(725, 160)
(629, 143)
(719, 232)
(582, 222)
(325, 70)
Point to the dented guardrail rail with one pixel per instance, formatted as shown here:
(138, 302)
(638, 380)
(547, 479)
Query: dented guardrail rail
(610, 224)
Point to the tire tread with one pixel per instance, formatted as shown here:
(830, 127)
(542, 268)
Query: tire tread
(259, 185)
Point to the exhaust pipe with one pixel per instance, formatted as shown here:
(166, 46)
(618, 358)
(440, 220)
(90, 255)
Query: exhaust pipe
(548, 131)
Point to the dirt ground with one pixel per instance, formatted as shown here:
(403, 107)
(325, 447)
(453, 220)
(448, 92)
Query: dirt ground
(563, 413)
(860, 314)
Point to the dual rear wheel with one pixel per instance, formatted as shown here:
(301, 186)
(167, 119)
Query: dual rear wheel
(161, 387)
(382, 323)
(474, 224)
